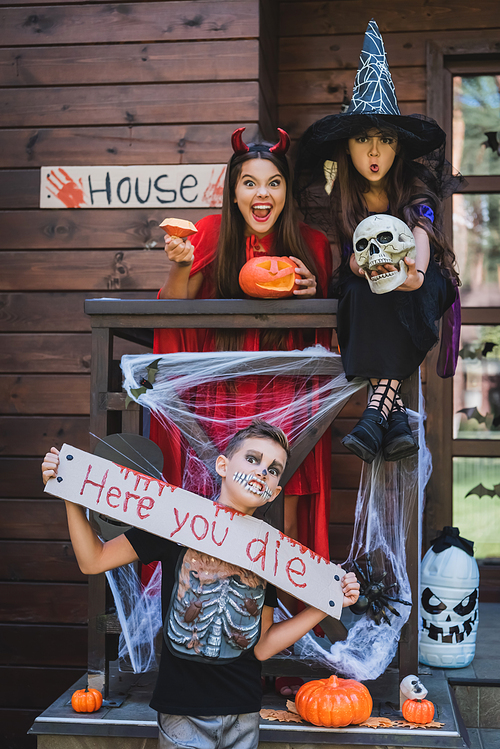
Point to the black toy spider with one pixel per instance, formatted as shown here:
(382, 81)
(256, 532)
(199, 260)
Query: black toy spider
(373, 599)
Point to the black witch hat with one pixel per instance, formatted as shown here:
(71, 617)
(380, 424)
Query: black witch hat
(374, 104)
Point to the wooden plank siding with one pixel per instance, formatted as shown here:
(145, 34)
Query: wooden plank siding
(91, 83)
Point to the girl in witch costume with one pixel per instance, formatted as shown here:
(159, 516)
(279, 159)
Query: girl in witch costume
(258, 218)
(376, 161)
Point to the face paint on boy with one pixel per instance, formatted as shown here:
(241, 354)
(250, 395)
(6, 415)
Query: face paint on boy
(252, 474)
(252, 484)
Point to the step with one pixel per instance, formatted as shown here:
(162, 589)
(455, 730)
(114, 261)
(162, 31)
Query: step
(478, 701)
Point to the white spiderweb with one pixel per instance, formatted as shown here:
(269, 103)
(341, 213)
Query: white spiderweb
(373, 90)
(386, 498)
(210, 396)
(387, 492)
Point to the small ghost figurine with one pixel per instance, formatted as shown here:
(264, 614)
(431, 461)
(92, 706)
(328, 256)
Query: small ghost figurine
(411, 688)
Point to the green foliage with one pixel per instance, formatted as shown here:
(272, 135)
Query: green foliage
(477, 99)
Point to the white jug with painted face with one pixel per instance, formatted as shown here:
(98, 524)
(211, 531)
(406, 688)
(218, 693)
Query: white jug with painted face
(449, 593)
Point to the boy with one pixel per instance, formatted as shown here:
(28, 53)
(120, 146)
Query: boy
(218, 617)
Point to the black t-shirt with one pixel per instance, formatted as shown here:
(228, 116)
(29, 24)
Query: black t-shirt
(187, 686)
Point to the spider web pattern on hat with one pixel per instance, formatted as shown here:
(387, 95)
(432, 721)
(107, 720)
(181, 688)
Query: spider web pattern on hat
(373, 91)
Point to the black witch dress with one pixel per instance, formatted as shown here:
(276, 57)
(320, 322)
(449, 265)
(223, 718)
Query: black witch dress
(389, 335)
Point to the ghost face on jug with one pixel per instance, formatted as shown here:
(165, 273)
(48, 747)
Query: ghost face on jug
(251, 474)
(372, 154)
(260, 195)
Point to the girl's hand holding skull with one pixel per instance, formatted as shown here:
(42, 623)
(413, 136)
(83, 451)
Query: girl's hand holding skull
(414, 279)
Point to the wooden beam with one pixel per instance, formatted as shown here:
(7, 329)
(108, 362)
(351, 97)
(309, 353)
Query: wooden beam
(76, 23)
(187, 143)
(352, 16)
(218, 60)
(129, 104)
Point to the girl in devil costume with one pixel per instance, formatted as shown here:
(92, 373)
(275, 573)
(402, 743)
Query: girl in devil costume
(375, 161)
(258, 218)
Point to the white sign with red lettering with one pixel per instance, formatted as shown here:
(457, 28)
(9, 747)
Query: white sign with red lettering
(190, 520)
(172, 186)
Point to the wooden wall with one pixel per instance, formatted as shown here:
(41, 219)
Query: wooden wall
(86, 83)
(150, 82)
(320, 43)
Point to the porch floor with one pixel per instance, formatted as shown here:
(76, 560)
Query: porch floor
(468, 697)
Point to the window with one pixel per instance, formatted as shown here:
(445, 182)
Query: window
(464, 423)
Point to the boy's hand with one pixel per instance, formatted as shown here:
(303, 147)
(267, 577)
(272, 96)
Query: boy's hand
(50, 464)
(350, 589)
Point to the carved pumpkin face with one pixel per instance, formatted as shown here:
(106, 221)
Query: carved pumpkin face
(268, 277)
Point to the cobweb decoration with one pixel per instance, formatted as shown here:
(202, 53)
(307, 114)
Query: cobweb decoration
(373, 91)
(138, 609)
(208, 397)
(386, 498)
(203, 396)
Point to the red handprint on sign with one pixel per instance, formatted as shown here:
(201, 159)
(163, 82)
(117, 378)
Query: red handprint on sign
(213, 194)
(66, 189)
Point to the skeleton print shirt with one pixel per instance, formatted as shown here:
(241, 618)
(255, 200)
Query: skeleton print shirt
(215, 609)
(211, 612)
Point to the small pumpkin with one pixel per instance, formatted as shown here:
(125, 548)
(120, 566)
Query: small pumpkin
(418, 711)
(178, 227)
(86, 700)
(334, 702)
(268, 277)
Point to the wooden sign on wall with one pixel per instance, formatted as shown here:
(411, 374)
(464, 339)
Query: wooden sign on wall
(175, 186)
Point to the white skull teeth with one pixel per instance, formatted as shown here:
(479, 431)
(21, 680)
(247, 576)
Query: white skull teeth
(381, 276)
(252, 484)
(381, 240)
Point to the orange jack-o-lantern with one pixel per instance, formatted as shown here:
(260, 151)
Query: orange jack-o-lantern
(268, 277)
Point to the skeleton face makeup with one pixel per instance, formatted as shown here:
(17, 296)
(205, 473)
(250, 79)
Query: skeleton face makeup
(252, 484)
(251, 474)
(383, 240)
(449, 608)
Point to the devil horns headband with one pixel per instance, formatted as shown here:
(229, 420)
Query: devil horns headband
(239, 147)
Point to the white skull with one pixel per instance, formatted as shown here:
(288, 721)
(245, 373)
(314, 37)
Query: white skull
(412, 688)
(382, 239)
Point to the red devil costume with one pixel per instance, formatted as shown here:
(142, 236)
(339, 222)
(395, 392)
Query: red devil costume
(312, 480)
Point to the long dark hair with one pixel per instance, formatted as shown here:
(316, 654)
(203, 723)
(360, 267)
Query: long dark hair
(405, 191)
(231, 253)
